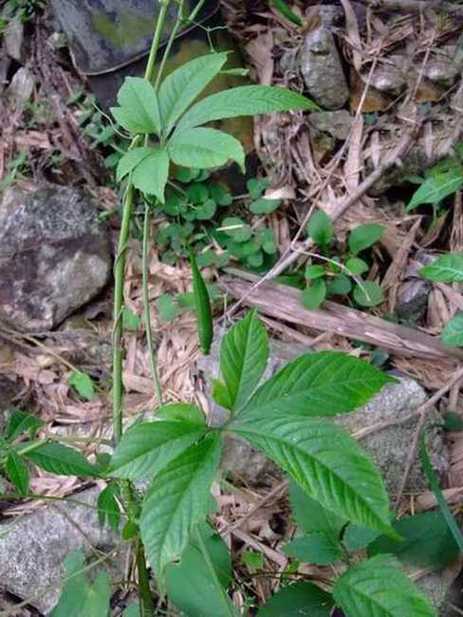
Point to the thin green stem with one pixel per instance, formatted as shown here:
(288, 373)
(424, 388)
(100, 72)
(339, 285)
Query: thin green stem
(146, 604)
(146, 305)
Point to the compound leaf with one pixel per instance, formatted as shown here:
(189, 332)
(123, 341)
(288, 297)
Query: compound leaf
(150, 175)
(205, 148)
(139, 108)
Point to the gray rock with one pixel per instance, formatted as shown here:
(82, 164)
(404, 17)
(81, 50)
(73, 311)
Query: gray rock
(54, 256)
(337, 123)
(14, 39)
(322, 69)
(413, 293)
(21, 88)
(33, 547)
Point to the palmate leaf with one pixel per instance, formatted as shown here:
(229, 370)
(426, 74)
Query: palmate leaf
(139, 108)
(243, 101)
(61, 460)
(182, 86)
(177, 501)
(149, 447)
(445, 269)
(318, 384)
(150, 175)
(326, 462)
(205, 148)
(377, 588)
(243, 358)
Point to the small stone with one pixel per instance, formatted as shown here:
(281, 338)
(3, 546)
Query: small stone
(390, 77)
(54, 256)
(13, 37)
(337, 123)
(322, 69)
(443, 67)
(21, 88)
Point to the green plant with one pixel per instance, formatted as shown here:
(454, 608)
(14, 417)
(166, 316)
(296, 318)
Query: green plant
(329, 275)
(19, 10)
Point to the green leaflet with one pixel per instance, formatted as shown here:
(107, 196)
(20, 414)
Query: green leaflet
(130, 160)
(445, 269)
(83, 385)
(203, 308)
(314, 294)
(177, 501)
(364, 236)
(18, 473)
(314, 548)
(452, 334)
(147, 448)
(108, 506)
(139, 109)
(181, 412)
(243, 358)
(243, 101)
(61, 460)
(377, 588)
(368, 293)
(326, 462)
(298, 600)
(182, 86)
(320, 228)
(438, 186)
(318, 384)
(151, 174)
(204, 148)
(20, 422)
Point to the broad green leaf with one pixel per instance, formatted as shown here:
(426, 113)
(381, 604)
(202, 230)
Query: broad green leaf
(61, 460)
(264, 205)
(426, 541)
(314, 295)
(377, 588)
(452, 334)
(314, 548)
(205, 148)
(326, 462)
(191, 585)
(257, 186)
(97, 602)
(206, 211)
(243, 101)
(314, 272)
(340, 285)
(435, 188)
(356, 266)
(445, 269)
(312, 517)
(368, 294)
(298, 600)
(220, 394)
(177, 501)
(182, 86)
(139, 109)
(147, 448)
(20, 422)
(108, 506)
(357, 537)
(364, 236)
(130, 160)
(181, 412)
(83, 385)
(150, 176)
(18, 473)
(318, 384)
(243, 358)
(320, 228)
(237, 229)
(203, 308)
(253, 560)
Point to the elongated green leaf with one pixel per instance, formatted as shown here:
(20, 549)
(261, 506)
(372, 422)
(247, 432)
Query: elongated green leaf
(205, 148)
(61, 460)
(326, 462)
(319, 384)
(150, 175)
(139, 108)
(284, 9)
(320, 228)
(364, 236)
(243, 358)
(18, 473)
(147, 448)
(181, 412)
(377, 588)
(243, 101)
(182, 86)
(83, 385)
(177, 501)
(311, 516)
(445, 269)
(130, 160)
(452, 334)
(203, 308)
(435, 188)
(108, 506)
(20, 422)
(315, 548)
(299, 600)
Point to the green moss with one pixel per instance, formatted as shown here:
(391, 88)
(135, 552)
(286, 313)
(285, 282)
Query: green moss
(128, 30)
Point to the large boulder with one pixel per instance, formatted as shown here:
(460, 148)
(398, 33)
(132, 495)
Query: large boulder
(54, 256)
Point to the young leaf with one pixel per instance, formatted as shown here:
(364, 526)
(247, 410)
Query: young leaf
(312, 517)
(356, 266)
(177, 500)
(445, 269)
(326, 462)
(190, 581)
(243, 358)
(377, 587)
(83, 385)
(314, 548)
(20, 422)
(318, 384)
(257, 186)
(243, 101)
(150, 176)
(364, 236)
(237, 229)
(452, 334)
(130, 320)
(139, 109)
(298, 600)
(182, 86)
(264, 205)
(181, 412)
(130, 160)
(145, 449)
(368, 294)
(314, 295)
(340, 285)
(435, 188)
(61, 460)
(108, 506)
(426, 541)
(320, 228)
(205, 148)
(314, 272)
(18, 473)
(205, 324)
